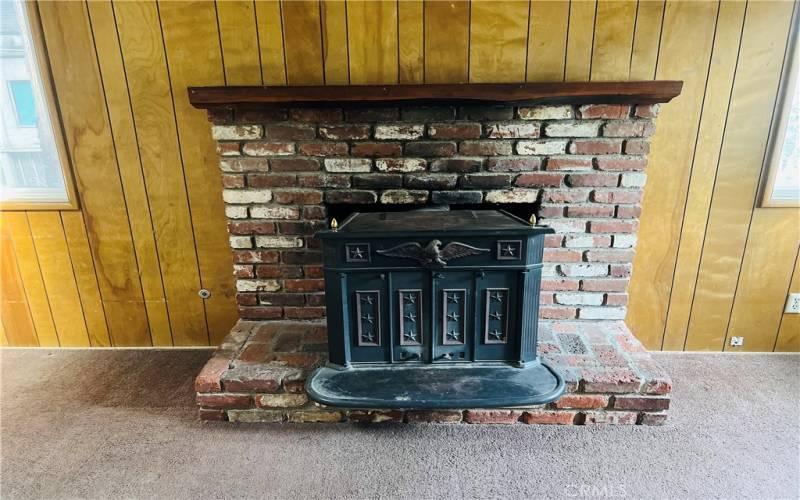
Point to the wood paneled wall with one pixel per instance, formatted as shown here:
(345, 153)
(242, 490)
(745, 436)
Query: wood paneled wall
(125, 269)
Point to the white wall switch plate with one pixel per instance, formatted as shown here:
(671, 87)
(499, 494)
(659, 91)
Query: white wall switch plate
(792, 304)
(737, 341)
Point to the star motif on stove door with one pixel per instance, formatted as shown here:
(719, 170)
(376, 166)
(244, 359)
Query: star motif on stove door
(368, 318)
(509, 250)
(410, 336)
(411, 299)
(496, 315)
(454, 335)
(356, 253)
(366, 299)
(496, 335)
(496, 296)
(454, 298)
(453, 316)
(411, 317)
(368, 337)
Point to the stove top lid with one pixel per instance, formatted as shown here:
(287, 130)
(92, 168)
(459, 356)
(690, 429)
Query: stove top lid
(426, 220)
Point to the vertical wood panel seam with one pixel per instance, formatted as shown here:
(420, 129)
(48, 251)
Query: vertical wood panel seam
(594, 32)
(347, 44)
(528, 41)
(788, 291)
(469, 40)
(762, 169)
(397, 35)
(691, 168)
(183, 167)
(660, 38)
(27, 302)
(221, 51)
(322, 42)
(41, 276)
(283, 46)
(116, 159)
(75, 278)
(633, 37)
(716, 175)
(258, 43)
(566, 42)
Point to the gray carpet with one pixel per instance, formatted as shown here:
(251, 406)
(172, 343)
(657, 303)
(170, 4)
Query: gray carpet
(108, 424)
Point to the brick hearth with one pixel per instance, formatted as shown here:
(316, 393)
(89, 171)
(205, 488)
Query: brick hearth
(258, 372)
(580, 168)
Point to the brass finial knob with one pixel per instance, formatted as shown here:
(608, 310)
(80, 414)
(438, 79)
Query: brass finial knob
(334, 225)
(532, 220)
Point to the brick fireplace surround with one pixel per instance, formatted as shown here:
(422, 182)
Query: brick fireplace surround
(581, 165)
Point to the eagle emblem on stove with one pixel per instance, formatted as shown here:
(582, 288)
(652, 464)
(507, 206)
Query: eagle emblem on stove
(432, 254)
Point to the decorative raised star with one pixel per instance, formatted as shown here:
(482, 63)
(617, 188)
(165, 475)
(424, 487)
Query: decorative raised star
(356, 253)
(509, 250)
(411, 299)
(368, 336)
(454, 335)
(368, 318)
(497, 335)
(410, 336)
(453, 316)
(496, 296)
(496, 315)
(454, 298)
(411, 317)
(367, 299)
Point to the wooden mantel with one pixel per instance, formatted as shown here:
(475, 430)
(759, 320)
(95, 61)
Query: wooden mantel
(646, 92)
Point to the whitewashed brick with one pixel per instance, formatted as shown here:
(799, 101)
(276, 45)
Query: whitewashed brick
(583, 270)
(281, 400)
(512, 196)
(624, 240)
(233, 212)
(399, 196)
(400, 164)
(512, 130)
(268, 148)
(602, 312)
(399, 131)
(563, 112)
(579, 241)
(565, 226)
(278, 242)
(257, 285)
(241, 269)
(241, 242)
(633, 179)
(236, 132)
(348, 164)
(542, 147)
(584, 128)
(275, 212)
(579, 299)
(549, 270)
(244, 196)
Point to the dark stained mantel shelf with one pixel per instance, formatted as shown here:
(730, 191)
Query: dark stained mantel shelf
(646, 92)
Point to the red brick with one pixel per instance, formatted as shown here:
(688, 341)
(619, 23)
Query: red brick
(294, 164)
(553, 240)
(597, 241)
(562, 255)
(565, 195)
(437, 149)
(434, 416)
(610, 418)
(278, 271)
(621, 163)
(637, 146)
(610, 255)
(302, 228)
(557, 312)
(593, 180)
(372, 149)
(629, 211)
(513, 164)
(491, 416)
(628, 128)
(304, 312)
(260, 312)
(351, 196)
(298, 197)
(640, 403)
(245, 227)
(314, 212)
(323, 148)
(262, 148)
(454, 130)
(232, 181)
(375, 416)
(243, 272)
(226, 401)
(547, 299)
(609, 111)
(590, 211)
(540, 179)
(617, 299)
(304, 285)
(614, 380)
(621, 270)
(604, 285)
(549, 417)
(271, 180)
(212, 415)
(582, 401)
(568, 163)
(613, 226)
(647, 111)
(551, 212)
(208, 380)
(372, 114)
(344, 132)
(220, 116)
(485, 148)
(315, 299)
(316, 115)
(456, 165)
(260, 115)
(559, 285)
(247, 299)
(255, 256)
(287, 132)
(313, 271)
(596, 146)
(244, 164)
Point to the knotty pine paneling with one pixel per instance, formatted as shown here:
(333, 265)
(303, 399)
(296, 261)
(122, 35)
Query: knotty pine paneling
(126, 268)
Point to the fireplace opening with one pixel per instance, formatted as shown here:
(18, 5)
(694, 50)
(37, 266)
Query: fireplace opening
(341, 211)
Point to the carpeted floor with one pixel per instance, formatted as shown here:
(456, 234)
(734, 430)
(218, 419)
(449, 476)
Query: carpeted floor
(110, 424)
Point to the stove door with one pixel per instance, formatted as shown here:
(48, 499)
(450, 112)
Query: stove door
(453, 316)
(410, 309)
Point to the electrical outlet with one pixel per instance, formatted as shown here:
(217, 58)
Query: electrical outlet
(792, 304)
(737, 341)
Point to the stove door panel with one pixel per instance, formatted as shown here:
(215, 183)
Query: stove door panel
(410, 316)
(453, 312)
(496, 336)
(369, 332)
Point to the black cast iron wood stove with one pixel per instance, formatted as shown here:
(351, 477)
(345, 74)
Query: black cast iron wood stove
(433, 309)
